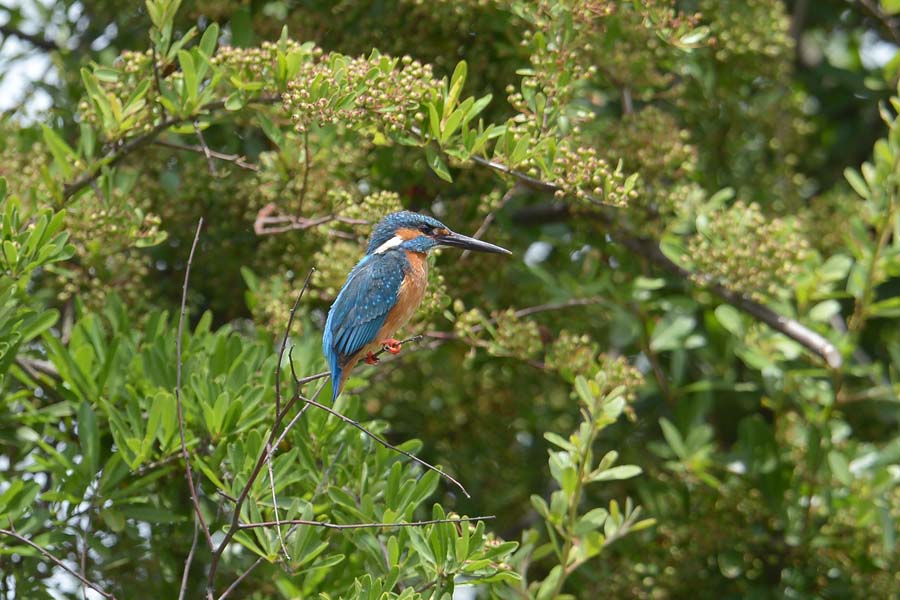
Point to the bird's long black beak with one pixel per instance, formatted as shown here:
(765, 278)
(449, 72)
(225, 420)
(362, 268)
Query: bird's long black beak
(457, 240)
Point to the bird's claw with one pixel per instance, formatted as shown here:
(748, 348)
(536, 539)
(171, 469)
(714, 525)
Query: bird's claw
(371, 359)
(391, 345)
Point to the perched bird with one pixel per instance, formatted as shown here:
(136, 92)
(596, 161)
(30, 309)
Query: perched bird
(384, 289)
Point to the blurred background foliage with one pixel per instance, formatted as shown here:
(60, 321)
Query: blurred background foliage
(676, 161)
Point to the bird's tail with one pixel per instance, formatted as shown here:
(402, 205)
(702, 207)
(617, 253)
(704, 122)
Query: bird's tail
(337, 382)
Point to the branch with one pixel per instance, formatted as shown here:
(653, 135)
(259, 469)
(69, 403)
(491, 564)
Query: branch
(649, 249)
(385, 443)
(267, 216)
(240, 578)
(205, 149)
(188, 561)
(888, 24)
(184, 452)
(32, 38)
(11, 533)
(236, 159)
(127, 146)
(328, 525)
(263, 455)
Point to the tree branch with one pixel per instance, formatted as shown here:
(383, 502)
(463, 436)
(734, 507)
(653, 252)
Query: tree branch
(129, 145)
(888, 24)
(178, 399)
(236, 159)
(650, 250)
(11, 533)
(32, 38)
(327, 525)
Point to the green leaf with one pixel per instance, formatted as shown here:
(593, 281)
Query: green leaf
(891, 7)
(558, 440)
(62, 153)
(457, 80)
(730, 319)
(673, 438)
(617, 473)
(823, 311)
(857, 183)
(434, 121)
(437, 164)
(671, 332)
(548, 586)
(89, 438)
(209, 40)
(190, 75)
(840, 467)
(242, 28)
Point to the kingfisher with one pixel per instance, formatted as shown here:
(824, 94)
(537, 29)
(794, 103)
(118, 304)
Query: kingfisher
(384, 290)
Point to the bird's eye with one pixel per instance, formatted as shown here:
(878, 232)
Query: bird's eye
(427, 229)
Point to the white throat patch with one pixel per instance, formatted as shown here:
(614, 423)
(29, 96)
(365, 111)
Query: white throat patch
(391, 243)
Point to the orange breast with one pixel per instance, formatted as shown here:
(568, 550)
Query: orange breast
(408, 297)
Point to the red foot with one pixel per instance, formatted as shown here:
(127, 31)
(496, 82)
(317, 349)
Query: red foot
(371, 359)
(391, 345)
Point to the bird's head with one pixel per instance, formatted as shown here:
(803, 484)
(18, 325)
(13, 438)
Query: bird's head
(420, 233)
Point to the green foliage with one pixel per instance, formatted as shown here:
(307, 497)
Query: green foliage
(669, 170)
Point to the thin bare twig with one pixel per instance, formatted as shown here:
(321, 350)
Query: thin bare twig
(328, 525)
(240, 578)
(126, 146)
(236, 159)
(385, 443)
(206, 151)
(267, 222)
(260, 461)
(888, 24)
(32, 38)
(650, 250)
(13, 534)
(489, 219)
(189, 560)
(287, 556)
(178, 399)
(307, 163)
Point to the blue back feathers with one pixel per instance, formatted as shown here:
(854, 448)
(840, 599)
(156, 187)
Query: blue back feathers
(371, 290)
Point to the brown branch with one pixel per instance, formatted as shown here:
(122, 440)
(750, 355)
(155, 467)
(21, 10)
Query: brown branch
(267, 216)
(205, 149)
(263, 455)
(178, 399)
(129, 145)
(888, 24)
(385, 443)
(307, 164)
(236, 159)
(12, 533)
(489, 219)
(32, 38)
(188, 561)
(240, 578)
(650, 250)
(328, 525)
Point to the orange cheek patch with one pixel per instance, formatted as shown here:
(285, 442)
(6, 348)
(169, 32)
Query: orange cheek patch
(408, 234)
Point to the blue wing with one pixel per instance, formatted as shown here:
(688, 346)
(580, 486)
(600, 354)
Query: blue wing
(361, 309)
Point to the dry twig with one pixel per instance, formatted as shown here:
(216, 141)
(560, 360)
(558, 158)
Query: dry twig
(178, 399)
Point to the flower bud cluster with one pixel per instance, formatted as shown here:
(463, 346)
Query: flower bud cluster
(572, 354)
(743, 250)
(360, 90)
